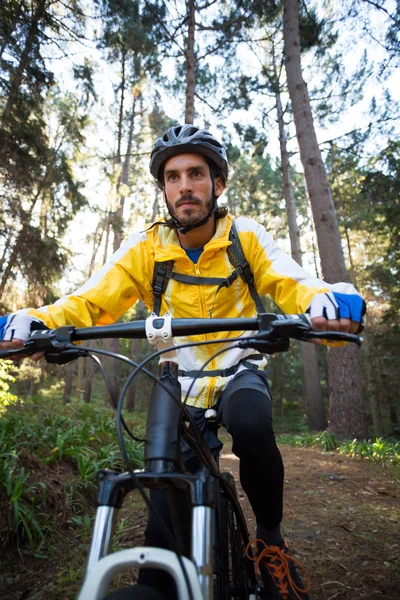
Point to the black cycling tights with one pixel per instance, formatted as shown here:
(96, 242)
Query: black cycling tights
(245, 410)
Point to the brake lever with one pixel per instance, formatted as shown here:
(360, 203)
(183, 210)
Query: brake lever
(65, 357)
(56, 344)
(265, 346)
(289, 328)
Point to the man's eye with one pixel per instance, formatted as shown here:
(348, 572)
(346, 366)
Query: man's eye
(171, 177)
(196, 173)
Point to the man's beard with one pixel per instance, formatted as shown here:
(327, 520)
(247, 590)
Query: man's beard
(190, 217)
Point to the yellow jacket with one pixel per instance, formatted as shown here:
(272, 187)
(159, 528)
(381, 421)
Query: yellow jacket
(129, 274)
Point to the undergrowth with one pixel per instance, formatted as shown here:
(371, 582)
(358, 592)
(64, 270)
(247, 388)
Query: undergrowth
(384, 451)
(50, 453)
(49, 456)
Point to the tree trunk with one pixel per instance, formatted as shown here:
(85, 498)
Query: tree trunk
(394, 418)
(347, 412)
(315, 409)
(123, 180)
(87, 393)
(97, 239)
(326, 225)
(372, 390)
(190, 65)
(294, 232)
(107, 228)
(314, 403)
(348, 418)
(156, 205)
(115, 345)
(79, 379)
(69, 380)
(121, 108)
(113, 369)
(131, 393)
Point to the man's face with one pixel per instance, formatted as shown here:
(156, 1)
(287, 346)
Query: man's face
(188, 188)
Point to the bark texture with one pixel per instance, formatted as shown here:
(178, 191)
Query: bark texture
(314, 403)
(347, 412)
(68, 385)
(87, 394)
(190, 65)
(319, 192)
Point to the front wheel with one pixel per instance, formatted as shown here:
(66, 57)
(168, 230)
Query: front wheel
(232, 567)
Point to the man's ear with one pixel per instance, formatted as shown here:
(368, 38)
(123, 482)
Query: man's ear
(219, 186)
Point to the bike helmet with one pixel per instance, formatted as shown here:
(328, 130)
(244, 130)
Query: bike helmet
(187, 139)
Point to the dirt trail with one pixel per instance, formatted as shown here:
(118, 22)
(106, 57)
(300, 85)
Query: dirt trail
(341, 520)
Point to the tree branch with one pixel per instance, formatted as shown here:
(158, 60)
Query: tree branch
(160, 22)
(215, 110)
(379, 7)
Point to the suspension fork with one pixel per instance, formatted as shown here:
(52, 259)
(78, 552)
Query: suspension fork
(161, 456)
(161, 453)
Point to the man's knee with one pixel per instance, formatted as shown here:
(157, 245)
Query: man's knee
(248, 419)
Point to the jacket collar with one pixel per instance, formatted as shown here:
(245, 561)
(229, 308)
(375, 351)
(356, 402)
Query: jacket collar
(167, 247)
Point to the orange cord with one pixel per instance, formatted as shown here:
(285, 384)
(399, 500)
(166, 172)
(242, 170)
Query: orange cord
(280, 570)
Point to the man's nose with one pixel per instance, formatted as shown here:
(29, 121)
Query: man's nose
(186, 184)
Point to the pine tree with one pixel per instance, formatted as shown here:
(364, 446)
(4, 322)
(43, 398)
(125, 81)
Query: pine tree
(347, 412)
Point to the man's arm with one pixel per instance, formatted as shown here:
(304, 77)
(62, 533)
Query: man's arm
(334, 307)
(100, 301)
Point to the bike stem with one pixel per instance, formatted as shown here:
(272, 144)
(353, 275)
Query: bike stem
(162, 432)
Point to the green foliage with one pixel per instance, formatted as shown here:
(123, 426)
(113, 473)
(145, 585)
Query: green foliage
(384, 451)
(379, 450)
(380, 192)
(6, 378)
(40, 132)
(35, 439)
(255, 188)
(315, 32)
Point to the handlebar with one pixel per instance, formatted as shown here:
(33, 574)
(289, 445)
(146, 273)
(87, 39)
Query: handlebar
(274, 334)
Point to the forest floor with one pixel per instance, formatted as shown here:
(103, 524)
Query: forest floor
(341, 521)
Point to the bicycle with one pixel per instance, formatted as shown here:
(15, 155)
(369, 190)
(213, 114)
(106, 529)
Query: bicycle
(211, 559)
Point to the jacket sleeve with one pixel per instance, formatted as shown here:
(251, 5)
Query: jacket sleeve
(108, 293)
(277, 274)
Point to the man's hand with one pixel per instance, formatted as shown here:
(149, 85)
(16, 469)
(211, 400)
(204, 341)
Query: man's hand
(334, 311)
(15, 329)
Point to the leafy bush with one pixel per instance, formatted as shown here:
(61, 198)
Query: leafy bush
(6, 378)
(385, 451)
(380, 450)
(34, 441)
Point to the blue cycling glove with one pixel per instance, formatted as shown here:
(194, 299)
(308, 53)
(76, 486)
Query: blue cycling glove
(335, 305)
(3, 324)
(19, 325)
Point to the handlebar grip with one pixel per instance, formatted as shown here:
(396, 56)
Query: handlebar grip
(25, 351)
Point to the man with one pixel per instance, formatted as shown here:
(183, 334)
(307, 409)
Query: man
(191, 168)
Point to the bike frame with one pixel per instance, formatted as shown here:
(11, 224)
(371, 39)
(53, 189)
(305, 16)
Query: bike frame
(199, 491)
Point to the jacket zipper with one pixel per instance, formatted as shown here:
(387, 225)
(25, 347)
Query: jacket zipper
(212, 365)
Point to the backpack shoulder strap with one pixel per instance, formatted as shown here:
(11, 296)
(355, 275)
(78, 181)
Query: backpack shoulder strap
(162, 274)
(238, 260)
